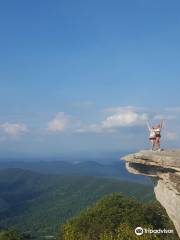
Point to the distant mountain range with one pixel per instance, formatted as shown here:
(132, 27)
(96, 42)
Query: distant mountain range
(40, 203)
(114, 169)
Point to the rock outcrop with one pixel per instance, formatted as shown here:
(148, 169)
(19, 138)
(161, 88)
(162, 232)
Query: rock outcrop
(164, 167)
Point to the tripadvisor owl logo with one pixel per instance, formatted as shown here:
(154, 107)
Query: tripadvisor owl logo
(139, 231)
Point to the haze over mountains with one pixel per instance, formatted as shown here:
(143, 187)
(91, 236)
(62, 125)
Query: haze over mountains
(115, 169)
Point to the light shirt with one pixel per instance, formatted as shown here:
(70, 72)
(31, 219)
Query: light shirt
(152, 133)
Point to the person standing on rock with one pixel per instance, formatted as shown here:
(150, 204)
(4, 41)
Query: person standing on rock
(157, 130)
(152, 136)
(155, 135)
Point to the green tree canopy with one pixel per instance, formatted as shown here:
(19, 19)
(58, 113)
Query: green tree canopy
(115, 217)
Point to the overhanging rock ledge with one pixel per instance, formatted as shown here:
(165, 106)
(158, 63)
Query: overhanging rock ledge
(164, 166)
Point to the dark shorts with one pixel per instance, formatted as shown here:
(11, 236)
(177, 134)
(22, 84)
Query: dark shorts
(152, 138)
(158, 135)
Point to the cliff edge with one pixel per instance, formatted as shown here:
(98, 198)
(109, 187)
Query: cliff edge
(164, 168)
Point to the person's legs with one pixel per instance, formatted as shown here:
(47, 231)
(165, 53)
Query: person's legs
(158, 143)
(152, 144)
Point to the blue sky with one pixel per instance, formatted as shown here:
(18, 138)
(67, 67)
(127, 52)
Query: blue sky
(82, 77)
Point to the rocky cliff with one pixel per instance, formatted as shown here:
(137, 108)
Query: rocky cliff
(164, 168)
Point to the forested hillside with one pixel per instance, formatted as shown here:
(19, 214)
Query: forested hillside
(41, 203)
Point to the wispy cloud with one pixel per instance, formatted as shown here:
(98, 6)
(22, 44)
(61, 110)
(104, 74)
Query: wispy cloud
(14, 129)
(124, 119)
(59, 123)
(120, 117)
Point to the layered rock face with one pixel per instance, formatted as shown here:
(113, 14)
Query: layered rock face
(164, 167)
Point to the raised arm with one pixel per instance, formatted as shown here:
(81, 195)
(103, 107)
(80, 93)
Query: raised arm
(148, 125)
(161, 124)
